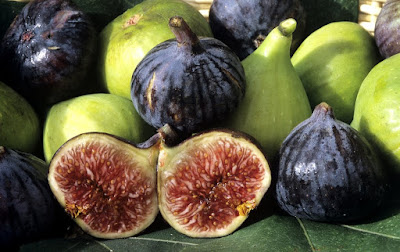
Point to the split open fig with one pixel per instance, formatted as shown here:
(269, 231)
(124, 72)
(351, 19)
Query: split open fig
(209, 183)
(106, 184)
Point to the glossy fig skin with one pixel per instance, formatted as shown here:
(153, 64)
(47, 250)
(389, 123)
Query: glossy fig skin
(187, 82)
(243, 24)
(328, 171)
(387, 25)
(47, 53)
(28, 210)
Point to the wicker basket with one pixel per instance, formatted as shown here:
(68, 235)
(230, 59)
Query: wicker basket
(368, 13)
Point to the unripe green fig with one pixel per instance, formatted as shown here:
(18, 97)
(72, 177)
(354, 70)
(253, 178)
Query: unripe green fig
(275, 100)
(106, 113)
(19, 123)
(377, 113)
(332, 62)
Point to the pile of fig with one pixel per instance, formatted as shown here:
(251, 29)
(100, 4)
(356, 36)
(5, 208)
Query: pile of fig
(164, 114)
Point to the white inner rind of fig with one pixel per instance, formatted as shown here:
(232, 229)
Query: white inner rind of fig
(208, 185)
(106, 185)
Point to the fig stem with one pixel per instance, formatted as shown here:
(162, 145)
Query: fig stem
(287, 27)
(184, 35)
(323, 110)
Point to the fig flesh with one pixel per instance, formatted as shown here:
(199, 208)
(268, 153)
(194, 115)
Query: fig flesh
(106, 184)
(209, 183)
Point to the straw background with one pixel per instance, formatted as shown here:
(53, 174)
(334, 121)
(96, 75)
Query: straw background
(368, 11)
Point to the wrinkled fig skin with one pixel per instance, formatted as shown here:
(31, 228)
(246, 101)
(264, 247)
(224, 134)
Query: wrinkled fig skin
(328, 171)
(187, 83)
(28, 210)
(47, 52)
(243, 24)
(387, 27)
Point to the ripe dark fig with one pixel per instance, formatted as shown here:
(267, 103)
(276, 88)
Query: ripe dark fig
(209, 183)
(387, 36)
(187, 82)
(243, 25)
(328, 171)
(28, 210)
(106, 184)
(47, 53)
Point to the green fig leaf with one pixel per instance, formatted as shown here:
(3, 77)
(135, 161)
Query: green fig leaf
(273, 232)
(320, 13)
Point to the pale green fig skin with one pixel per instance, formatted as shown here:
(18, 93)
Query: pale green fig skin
(127, 39)
(377, 110)
(100, 112)
(275, 100)
(332, 62)
(19, 123)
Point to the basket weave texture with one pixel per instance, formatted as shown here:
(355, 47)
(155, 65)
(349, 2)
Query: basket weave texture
(368, 11)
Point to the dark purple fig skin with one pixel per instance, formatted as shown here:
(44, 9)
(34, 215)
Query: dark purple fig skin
(328, 171)
(387, 29)
(28, 209)
(188, 83)
(244, 24)
(48, 51)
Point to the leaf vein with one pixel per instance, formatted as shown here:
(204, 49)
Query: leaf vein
(306, 234)
(161, 240)
(371, 232)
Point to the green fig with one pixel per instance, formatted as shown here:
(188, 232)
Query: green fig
(332, 62)
(106, 113)
(275, 100)
(377, 113)
(19, 123)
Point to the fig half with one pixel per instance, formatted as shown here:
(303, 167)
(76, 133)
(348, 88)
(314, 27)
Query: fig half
(106, 184)
(209, 183)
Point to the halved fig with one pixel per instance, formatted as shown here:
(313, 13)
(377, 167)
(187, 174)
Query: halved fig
(208, 184)
(106, 184)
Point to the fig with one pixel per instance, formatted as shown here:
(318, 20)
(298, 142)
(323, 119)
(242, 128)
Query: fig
(187, 82)
(92, 112)
(126, 40)
(209, 183)
(19, 123)
(332, 62)
(106, 184)
(243, 25)
(48, 52)
(275, 100)
(376, 111)
(28, 210)
(386, 32)
(328, 171)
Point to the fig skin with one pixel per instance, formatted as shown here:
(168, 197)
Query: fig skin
(386, 32)
(106, 184)
(206, 186)
(19, 123)
(328, 171)
(189, 82)
(243, 24)
(92, 112)
(48, 52)
(28, 210)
